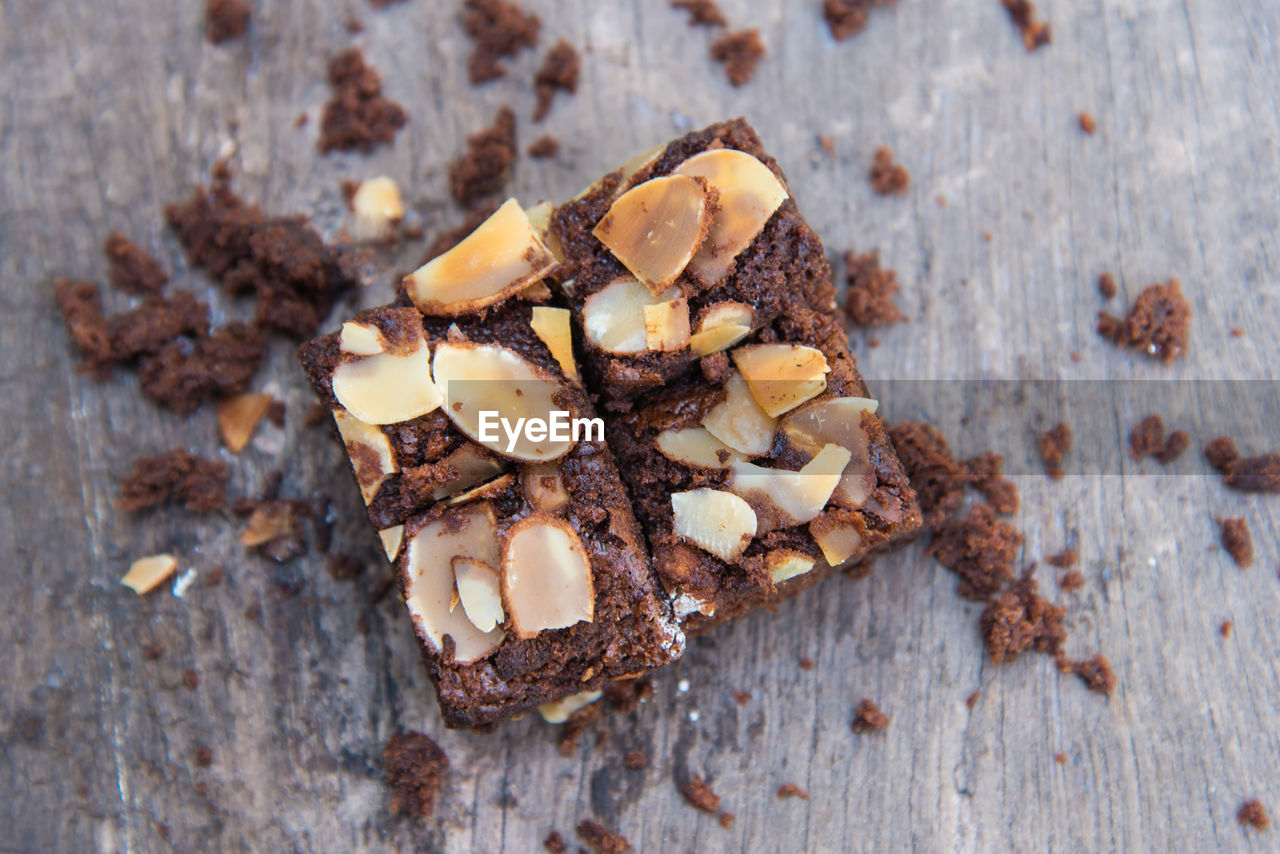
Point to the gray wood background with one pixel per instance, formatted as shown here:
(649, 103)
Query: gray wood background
(110, 110)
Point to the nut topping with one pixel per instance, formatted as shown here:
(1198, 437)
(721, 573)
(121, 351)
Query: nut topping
(387, 388)
(561, 710)
(718, 522)
(370, 451)
(544, 487)
(837, 420)
(472, 465)
(361, 339)
(478, 592)
(613, 318)
(655, 227)
(552, 326)
(147, 573)
(238, 417)
(546, 576)
(782, 376)
(391, 538)
(721, 326)
(666, 325)
(695, 446)
(797, 496)
(378, 208)
(785, 564)
(838, 539)
(739, 421)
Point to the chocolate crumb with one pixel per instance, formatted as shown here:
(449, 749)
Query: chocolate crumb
(847, 17)
(636, 760)
(226, 20)
(979, 548)
(624, 695)
(600, 839)
(300, 121)
(1221, 453)
(972, 700)
(1237, 540)
(190, 679)
(1060, 758)
(153, 651)
(1147, 438)
(702, 12)
(1157, 323)
(1225, 628)
(806, 664)
(934, 473)
(544, 146)
(204, 755)
(199, 484)
(1063, 559)
(726, 820)
(131, 269)
(415, 766)
(1255, 474)
(483, 168)
(742, 698)
(578, 723)
(555, 843)
(1019, 619)
(357, 116)
(868, 717)
(1096, 673)
(1253, 814)
(276, 413)
(740, 51)
(699, 793)
(828, 144)
(1107, 286)
(1035, 34)
(985, 474)
(559, 71)
(1087, 122)
(1070, 581)
(870, 291)
(355, 26)
(887, 177)
(1054, 445)
(791, 790)
(499, 29)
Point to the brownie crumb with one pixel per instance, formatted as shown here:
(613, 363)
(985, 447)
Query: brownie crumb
(636, 760)
(499, 29)
(226, 20)
(600, 839)
(153, 651)
(1254, 474)
(726, 820)
(1221, 453)
(190, 679)
(555, 843)
(624, 695)
(1237, 540)
(1063, 559)
(1054, 445)
(1107, 286)
(1019, 619)
(972, 700)
(544, 146)
(1035, 34)
(415, 767)
(887, 177)
(871, 289)
(275, 528)
(578, 723)
(699, 793)
(131, 269)
(846, 17)
(1087, 122)
(81, 306)
(934, 473)
(483, 168)
(354, 25)
(1225, 628)
(979, 548)
(204, 755)
(806, 664)
(742, 698)
(559, 71)
(791, 790)
(1060, 758)
(985, 474)
(1157, 323)
(740, 51)
(183, 375)
(1253, 814)
(1096, 673)
(702, 12)
(868, 717)
(357, 117)
(1070, 581)
(199, 484)
(1148, 438)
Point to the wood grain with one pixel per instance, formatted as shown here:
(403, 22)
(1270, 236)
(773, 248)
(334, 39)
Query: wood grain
(108, 114)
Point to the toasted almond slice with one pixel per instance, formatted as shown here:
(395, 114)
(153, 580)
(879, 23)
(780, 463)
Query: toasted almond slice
(628, 170)
(695, 446)
(718, 522)
(238, 417)
(782, 376)
(739, 421)
(372, 458)
(749, 194)
(613, 318)
(838, 540)
(479, 591)
(147, 573)
(485, 490)
(552, 326)
(546, 576)
(720, 326)
(361, 339)
(391, 538)
(469, 531)
(485, 383)
(388, 388)
(785, 564)
(655, 227)
(539, 291)
(666, 325)
(501, 257)
(839, 420)
(378, 208)
(544, 487)
(797, 496)
(540, 218)
(472, 465)
(561, 710)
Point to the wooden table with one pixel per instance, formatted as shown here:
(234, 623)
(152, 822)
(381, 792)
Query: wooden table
(110, 111)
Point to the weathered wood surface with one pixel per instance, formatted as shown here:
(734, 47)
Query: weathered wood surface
(110, 111)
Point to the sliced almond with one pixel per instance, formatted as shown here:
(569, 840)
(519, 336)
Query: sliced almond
(484, 384)
(539, 291)
(561, 710)
(695, 446)
(628, 170)
(749, 194)
(797, 496)
(490, 489)
(472, 465)
(269, 521)
(739, 421)
(546, 576)
(540, 218)
(361, 339)
(721, 326)
(655, 227)
(372, 458)
(613, 318)
(666, 325)
(718, 522)
(479, 591)
(785, 564)
(544, 487)
(388, 388)
(782, 376)
(837, 420)
(839, 540)
(391, 539)
(238, 417)
(501, 257)
(147, 573)
(378, 208)
(552, 326)
(468, 531)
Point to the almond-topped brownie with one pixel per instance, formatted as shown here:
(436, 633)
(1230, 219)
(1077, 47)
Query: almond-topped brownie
(680, 252)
